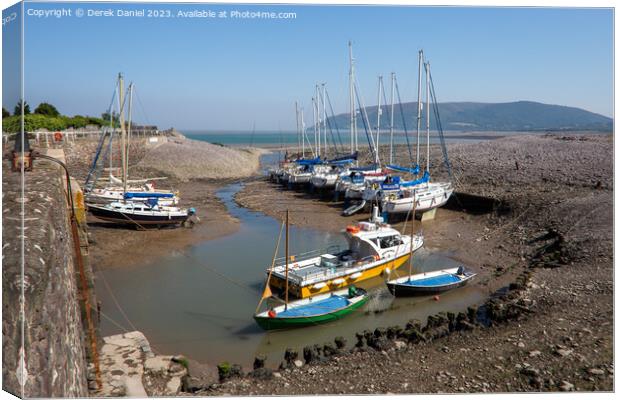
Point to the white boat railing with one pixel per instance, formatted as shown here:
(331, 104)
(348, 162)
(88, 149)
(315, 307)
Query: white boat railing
(332, 249)
(327, 273)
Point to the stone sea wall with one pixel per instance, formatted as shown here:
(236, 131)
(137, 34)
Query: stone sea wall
(54, 343)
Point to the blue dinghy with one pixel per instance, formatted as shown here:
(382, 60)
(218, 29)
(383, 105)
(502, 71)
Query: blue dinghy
(430, 282)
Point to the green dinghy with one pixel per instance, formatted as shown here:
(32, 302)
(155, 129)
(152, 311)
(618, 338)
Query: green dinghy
(314, 310)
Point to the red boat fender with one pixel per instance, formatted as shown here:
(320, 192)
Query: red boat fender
(58, 136)
(271, 313)
(353, 228)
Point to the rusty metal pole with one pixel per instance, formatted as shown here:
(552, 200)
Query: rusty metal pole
(84, 292)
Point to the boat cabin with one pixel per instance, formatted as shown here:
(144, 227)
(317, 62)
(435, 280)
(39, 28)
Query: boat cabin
(369, 244)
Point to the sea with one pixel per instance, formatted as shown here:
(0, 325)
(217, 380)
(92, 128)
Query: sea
(286, 138)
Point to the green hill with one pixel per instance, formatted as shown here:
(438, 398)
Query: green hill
(469, 116)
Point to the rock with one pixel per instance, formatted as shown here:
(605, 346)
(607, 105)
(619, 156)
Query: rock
(400, 345)
(157, 364)
(262, 373)
(329, 350)
(566, 386)
(173, 387)
(413, 324)
(133, 387)
(521, 345)
(298, 363)
(341, 342)
(190, 384)
(464, 325)
(236, 370)
(277, 375)
(393, 332)
(227, 371)
(360, 340)
(290, 355)
(380, 343)
(259, 361)
(92, 385)
(596, 371)
(534, 353)
(563, 352)
(414, 336)
(472, 312)
(451, 321)
(530, 371)
(310, 354)
(177, 369)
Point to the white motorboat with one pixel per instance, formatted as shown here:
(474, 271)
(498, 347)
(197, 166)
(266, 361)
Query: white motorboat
(374, 247)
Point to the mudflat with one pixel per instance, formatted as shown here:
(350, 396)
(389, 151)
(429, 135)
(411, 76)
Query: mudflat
(531, 214)
(541, 231)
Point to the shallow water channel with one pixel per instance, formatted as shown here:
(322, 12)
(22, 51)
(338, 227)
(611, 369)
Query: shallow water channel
(200, 302)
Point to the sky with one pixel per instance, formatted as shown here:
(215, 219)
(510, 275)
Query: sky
(231, 73)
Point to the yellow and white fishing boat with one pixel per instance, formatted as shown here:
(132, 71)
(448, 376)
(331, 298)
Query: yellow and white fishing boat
(374, 247)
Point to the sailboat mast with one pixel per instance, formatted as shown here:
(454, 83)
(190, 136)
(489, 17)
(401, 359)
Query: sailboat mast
(317, 94)
(428, 119)
(113, 130)
(351, 100)
(286, 255)
(122, 122)
(378, 116)
(314, 123)
(297, 126)
(128, 131)
(417, 154)
(392, 120)
(324, 119)
(303, 134)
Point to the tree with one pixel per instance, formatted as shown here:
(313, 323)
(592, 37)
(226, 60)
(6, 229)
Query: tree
(18, 108)
(47, 109)
(5, 113)
(106, 118)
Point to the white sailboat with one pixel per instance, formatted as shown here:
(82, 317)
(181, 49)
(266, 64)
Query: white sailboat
(426, 195)
(136, 208)
(115, 190)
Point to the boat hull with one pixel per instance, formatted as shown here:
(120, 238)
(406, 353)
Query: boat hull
(437, 198)
(300, 178)
(436, 282)
(309, 290)
(400, 290)
(133, 219)
(269, 323)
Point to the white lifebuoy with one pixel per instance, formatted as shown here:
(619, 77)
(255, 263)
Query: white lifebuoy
(355, 275)
(319, 285)
(338, 281)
